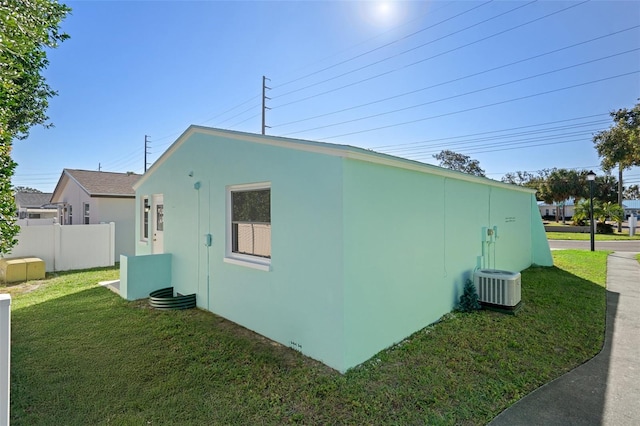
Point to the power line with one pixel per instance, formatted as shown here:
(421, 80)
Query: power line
(386, 45)
(209, 119)
(459, 78)
(240, 113)
(462, 94)
(37, 174)
(480, 143)
(229, 110)
(472, 147)
(467, 146)
(121, 157)
(428, 142)
(430, 57)
(244, 121)
(539, 170)
(483, 106)
(496, 149)
(281, 85)
(135, 156)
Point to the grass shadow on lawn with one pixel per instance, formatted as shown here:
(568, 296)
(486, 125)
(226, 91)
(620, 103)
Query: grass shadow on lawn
(92, 358)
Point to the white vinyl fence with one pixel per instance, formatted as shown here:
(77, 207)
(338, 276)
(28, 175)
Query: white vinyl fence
(35, 222)
(66, 247)
(5, 356)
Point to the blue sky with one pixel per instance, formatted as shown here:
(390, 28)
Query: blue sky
(515, 85)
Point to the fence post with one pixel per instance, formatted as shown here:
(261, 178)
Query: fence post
(112, 243)
(57, 245)
(5, 356)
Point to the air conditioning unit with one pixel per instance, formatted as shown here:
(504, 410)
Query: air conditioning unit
(495, 287)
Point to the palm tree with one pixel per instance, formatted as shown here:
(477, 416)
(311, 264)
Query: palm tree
(601, 212)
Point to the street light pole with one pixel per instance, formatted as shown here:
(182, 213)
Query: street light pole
(591, 177)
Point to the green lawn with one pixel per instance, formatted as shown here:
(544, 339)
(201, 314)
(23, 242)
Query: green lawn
(586, 236)
(81, 355)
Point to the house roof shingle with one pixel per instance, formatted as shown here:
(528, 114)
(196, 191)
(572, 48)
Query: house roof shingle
(33, 199)
(109, 184)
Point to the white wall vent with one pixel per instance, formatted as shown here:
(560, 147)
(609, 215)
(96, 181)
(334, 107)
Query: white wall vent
(497, 287)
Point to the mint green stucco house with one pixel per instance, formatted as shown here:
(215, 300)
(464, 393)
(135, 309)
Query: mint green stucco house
(336, 251)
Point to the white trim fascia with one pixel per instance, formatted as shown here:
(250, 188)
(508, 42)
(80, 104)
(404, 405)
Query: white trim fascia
(112, 195)
(53, 194)
(77, 183)
(342, 151)
(249, 264)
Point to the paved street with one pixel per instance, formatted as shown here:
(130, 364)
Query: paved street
(633, 246)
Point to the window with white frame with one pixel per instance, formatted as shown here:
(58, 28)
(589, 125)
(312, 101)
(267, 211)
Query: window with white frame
(144, 224)
(85, 208)
(70, 214)
(249, 223)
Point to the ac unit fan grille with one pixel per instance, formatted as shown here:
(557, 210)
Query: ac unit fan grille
(498, 287)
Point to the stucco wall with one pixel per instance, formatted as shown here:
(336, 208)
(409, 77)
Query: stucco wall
(411, 240)
(73, 195)
(121, 211)
(299, 301)
(363, 254)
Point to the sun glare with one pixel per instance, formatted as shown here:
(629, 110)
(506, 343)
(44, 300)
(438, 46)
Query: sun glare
(384, 8)
(384, 13)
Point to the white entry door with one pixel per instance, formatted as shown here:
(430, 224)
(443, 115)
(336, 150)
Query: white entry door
(158, 224)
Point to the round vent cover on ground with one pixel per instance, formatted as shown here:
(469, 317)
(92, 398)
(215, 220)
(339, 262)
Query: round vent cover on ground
(165, 300)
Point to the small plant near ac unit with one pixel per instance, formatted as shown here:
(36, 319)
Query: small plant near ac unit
(469, 299)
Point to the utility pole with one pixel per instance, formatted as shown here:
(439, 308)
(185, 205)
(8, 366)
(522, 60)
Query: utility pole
(146, 151)
(264, 102)
(99, 167)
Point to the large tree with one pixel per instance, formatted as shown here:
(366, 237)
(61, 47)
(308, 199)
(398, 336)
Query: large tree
(460, 162)
(560, 185)
(632, 192)
(605, 188)
(27, 29)
(533, 180)
(619, 146)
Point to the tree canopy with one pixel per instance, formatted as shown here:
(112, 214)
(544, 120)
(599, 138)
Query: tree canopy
(558, 185)
(632, 192)
(620, 144)
(27, 29)
(533, 180)
(26, 189)
(460, 162)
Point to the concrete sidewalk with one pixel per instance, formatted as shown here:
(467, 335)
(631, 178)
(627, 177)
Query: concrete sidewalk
(606, 389)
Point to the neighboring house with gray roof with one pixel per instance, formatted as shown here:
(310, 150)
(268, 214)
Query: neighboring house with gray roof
(88, 197)
(631, 207)
(548, 211)
(35, 205)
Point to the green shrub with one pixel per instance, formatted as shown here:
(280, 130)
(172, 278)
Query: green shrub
(469, 299)
(604, 228)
